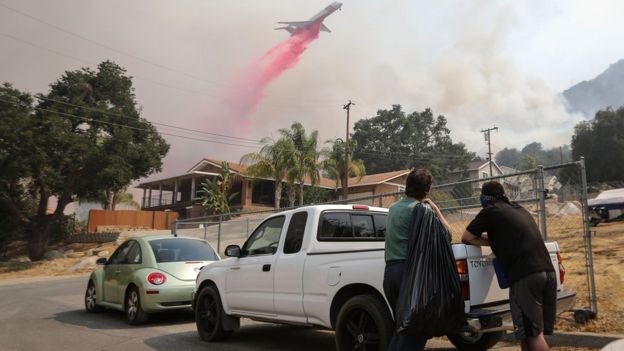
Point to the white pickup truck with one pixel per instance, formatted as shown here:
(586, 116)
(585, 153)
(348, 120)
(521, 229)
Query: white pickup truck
(323, 266)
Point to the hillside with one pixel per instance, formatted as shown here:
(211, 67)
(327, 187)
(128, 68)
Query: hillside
(607, 89)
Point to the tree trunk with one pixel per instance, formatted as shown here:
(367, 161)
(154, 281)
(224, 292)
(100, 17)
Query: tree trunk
(291, 194)
(38, 235)
(278, 193)
(301, 192)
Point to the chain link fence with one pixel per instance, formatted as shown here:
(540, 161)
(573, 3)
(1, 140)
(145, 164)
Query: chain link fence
(556, 196)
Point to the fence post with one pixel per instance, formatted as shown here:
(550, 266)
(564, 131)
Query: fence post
(205, 231)
(247, 227)
(588, 244)
(219, 234)
(174, 228)
(542, 199)
(380, 200)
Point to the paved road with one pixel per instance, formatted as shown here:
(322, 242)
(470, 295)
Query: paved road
(38, 314)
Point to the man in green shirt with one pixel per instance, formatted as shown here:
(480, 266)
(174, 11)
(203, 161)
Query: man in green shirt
(417, 187)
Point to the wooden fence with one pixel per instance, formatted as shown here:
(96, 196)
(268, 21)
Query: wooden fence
(104, 220)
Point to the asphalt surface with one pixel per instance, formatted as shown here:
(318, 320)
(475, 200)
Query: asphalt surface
(48, 314)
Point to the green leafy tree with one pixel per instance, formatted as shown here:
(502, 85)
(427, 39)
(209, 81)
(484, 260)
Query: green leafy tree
(274, 160)
(306, 155)
(334, 162)
(216, 199)
(601, 142)
(394, 140)
(84, 137)
(508, 157)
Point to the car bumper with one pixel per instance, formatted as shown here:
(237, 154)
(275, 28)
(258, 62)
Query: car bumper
(497, 318)
(156, 299)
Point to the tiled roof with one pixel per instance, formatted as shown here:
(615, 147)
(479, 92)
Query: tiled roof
(376, 178)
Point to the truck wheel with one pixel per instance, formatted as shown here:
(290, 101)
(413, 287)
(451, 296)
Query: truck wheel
(209, 315)
(472, 340)
(363, 323)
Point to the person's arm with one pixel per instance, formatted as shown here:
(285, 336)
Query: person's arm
(438, 213)
(470, 239)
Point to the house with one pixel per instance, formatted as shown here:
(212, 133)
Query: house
(182, 193)
(479, 169)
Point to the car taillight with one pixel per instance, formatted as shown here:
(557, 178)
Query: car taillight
(561, 268)
(462, 272)
(156, 278)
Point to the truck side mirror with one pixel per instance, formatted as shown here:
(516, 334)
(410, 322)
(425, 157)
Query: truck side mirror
(101, 260)
(233, 251)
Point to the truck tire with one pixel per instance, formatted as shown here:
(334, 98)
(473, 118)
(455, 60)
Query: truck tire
(364, 323)
(470, 340)
(209, 315)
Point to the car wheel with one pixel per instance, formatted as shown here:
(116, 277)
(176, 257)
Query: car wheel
(134, 311)
(91, 299)
(363, 323)
(471, 340)
(209, 315)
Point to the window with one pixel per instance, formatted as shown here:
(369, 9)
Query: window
(485, 175)
(265, 239)
(345, 226)
(134, 254)
(294, 235)
(180, 250)
(380, 225)
(120, 254)
(335, 225)
(363, 226)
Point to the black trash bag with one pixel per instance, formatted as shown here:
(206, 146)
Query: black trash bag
(430, 302)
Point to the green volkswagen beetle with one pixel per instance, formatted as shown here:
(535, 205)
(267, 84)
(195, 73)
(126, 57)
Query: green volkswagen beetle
(147, 275)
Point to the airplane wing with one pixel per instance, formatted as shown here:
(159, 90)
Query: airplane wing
(324, 28)
(296, 24)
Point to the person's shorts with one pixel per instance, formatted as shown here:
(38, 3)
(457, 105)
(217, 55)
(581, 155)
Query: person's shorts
(533, 301)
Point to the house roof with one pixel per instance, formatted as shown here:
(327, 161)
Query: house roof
(378, 178)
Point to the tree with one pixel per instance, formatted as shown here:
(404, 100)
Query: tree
(334, 162)
(216, 199)
(508, 157)
(274, 160)
(601, 142)
(394, 140)
(306, 155)
(84, 137)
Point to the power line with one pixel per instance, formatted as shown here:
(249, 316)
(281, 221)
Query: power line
(156, 123)
(90, 119)
(107, 47)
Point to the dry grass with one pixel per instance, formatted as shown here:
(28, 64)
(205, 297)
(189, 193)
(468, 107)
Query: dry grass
(46, 268)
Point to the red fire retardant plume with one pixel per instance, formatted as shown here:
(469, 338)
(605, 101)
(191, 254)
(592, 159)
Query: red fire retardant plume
(243, 98)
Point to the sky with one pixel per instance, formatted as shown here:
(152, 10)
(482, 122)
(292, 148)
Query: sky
(478, 63)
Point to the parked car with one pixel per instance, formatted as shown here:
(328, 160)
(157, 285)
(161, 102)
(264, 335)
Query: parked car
(323, 266)
(147, 275)
(608, 206)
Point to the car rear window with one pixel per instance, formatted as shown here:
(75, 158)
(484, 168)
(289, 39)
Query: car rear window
(348, 226)
(180, 250)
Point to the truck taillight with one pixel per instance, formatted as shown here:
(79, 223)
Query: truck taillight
(561, 268)
(462, 272)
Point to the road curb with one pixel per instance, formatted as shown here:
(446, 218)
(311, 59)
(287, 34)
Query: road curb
(578, 339)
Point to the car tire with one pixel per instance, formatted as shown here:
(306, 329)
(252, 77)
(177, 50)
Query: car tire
(209, 315)
(364, 323)
(91, 305)
(132, 307)
(470, 340)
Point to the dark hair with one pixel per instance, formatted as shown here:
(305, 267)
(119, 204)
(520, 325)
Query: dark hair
(418, 183)
(492, 188)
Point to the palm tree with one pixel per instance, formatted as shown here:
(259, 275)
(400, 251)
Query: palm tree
(274, 160)
(216, 199)
(306, 157)
(334, 163)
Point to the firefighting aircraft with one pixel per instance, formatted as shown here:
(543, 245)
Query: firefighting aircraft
(294, 27)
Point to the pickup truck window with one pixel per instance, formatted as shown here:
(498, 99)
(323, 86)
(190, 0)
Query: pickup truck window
(265, 239)
(294, 235)
(346, 226)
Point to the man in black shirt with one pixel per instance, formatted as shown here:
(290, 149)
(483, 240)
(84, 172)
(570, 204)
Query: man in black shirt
(515, 239)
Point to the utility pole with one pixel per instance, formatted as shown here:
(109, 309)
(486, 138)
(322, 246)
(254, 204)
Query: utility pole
(486, 134)
(345, 180)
